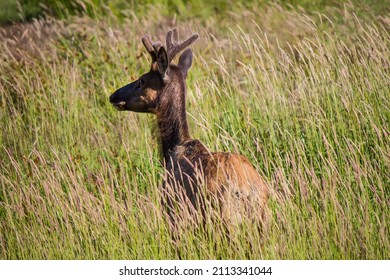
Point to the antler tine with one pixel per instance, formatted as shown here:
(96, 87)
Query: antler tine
(174, 47)
(149, 46)
(170, 45)
(186, 43)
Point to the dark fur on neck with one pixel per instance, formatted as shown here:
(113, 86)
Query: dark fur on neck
(171, 114)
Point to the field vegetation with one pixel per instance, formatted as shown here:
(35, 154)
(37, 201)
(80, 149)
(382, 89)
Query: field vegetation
(301, 88)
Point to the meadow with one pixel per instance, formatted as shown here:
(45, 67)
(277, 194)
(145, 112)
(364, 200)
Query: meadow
(300, 89)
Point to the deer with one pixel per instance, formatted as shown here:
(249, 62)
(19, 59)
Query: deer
(191, 169)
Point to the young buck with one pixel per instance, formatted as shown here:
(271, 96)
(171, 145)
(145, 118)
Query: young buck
(189, 165)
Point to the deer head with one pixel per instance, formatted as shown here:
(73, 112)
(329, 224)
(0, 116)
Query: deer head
(143, 94)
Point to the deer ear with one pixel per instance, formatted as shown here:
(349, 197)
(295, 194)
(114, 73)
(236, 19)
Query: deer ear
(185, 62)
(162, 62)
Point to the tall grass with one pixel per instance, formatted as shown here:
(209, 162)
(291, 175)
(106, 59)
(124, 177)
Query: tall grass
(304, 97)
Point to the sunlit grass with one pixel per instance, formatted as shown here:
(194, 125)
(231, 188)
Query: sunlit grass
(306, 99)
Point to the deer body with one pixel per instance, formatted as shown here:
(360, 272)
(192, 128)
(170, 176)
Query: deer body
(228, 177)
(189, 164)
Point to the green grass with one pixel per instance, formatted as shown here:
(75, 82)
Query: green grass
(305, 96)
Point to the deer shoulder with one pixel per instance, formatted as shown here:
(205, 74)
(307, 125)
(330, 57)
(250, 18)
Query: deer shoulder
(224, 174)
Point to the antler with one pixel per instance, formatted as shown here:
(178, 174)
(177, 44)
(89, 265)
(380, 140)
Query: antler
(173, 48)
(151, 47)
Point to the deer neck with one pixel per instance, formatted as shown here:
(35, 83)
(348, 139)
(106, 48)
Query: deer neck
(171, 118)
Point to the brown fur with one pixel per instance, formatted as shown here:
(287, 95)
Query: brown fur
(190, 166)
(229, 177)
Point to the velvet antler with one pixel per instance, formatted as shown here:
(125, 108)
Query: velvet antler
(173, 47)
(149, 47)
